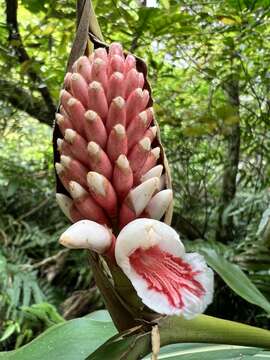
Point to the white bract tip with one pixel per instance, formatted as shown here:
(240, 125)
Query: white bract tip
(59, 168)
(145, 143)
(99, 62)
(75, 76)
(156, 171)
(59, 143)
(93, 148)
(95, 85)
(65, 203)
(168, 280)
(86, 234)
(119, 129)
(118, 75)
(154, 130)
(62, 92)
(70, 135)
(122, 162)
(119, 102)
(96, 183)
(159, 203)
(72, 101)
(65, 160)
(156, 152)
(143, 117)
(139, 92)
(141, 195)
(59, 118)
(90, 115)
(76, 190)
(101, 52)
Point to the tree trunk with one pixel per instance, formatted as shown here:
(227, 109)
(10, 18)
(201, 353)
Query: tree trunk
(225, 226)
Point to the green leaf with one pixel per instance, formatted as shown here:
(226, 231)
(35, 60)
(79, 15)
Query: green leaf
(43, 312)
(264, 221)
(209, 352)
(236, 279)
(100, 315)
(12, 188)
(72, 340)
(34, 5)
(116, 349)
(229, 20)
(9, 331)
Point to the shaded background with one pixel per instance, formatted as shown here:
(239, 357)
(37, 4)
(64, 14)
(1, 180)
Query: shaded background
(209, 69)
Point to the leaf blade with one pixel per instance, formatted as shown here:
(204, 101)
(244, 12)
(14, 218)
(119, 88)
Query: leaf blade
(236, 279)
(72, 340)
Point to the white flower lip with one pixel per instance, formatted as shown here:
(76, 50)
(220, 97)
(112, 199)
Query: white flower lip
(87, 234)
(139, 233)
(177, 275)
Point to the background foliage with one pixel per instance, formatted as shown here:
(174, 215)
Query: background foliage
(209, 69)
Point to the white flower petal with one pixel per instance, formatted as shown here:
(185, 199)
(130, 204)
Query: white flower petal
(87, 234)
(136, 234)
(166, 279)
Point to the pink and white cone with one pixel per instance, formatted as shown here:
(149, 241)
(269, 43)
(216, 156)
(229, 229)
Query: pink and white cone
(108, 128)
(168, 280)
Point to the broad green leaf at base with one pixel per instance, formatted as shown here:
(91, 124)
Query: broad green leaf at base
(72, 340)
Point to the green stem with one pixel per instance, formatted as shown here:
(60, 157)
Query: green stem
(202, 329)
(207, 329)
(122, 319)
(173, 330)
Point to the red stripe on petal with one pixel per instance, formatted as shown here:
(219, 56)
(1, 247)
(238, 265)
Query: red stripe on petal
(166, 274)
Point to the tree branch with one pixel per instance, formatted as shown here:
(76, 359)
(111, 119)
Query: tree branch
(22, 99)
(15, 41)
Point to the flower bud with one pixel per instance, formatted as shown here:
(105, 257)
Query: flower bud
(86, 234)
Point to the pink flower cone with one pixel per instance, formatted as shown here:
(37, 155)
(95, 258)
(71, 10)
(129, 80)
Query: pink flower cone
(111, 166)
(107, 128)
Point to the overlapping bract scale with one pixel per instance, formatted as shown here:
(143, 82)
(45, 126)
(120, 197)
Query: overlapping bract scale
(108, 163)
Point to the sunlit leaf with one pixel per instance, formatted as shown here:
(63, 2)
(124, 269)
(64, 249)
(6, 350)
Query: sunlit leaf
(165, 3)
(227, 20)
